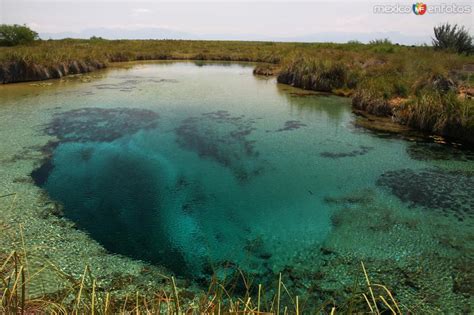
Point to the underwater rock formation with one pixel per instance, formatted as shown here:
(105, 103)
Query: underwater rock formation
(99, 124)
(90, 125)
(434, 151)
(127, 201)
(450, 192)
(129, 84)
(130, 201)
(223, 138)
(362, 150)
(292, 125)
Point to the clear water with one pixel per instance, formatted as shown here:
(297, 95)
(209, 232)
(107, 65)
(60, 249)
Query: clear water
(198, 166)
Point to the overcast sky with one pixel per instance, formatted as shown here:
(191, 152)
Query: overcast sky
(279, 20)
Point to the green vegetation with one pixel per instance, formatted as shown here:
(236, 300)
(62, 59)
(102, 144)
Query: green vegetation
(383, 41)
(313, 74)
(441, 113)
(12, 35)
(52, 52)
(454, 38)
(407, 83)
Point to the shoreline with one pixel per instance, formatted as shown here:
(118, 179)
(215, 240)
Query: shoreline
(22, 72)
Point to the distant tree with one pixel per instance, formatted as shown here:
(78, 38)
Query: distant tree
(96, 38)
(384, 41)
(453, 37)
(11, 35)
(354, 42)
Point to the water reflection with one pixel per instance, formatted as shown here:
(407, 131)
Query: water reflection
(314, 104)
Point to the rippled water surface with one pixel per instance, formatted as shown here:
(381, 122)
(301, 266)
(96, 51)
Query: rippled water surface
(201, 167)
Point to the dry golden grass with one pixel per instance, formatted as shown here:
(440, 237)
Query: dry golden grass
(84, 296)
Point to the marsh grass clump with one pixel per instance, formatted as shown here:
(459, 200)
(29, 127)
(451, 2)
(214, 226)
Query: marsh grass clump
(313, 74)
(438, 82)
(372, 100)
(441, 113)
(266, 69)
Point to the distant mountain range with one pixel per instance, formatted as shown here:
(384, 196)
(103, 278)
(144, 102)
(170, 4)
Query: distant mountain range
(163, 33)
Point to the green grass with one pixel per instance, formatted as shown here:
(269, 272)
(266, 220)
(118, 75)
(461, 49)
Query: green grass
(319, 74)
(50, 53)
(440, 113)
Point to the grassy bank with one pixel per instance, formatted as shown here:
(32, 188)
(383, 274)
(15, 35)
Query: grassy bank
(426, 89)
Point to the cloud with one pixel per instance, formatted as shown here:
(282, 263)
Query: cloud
(140, 11)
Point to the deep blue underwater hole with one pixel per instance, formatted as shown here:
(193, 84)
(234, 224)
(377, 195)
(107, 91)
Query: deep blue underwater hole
(109, 187)
(109, 171)
(200, 196)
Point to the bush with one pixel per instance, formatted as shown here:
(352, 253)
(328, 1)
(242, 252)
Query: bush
(96, 38)
(384, 41)
(453, 38)
(12, 35)
(382, 46)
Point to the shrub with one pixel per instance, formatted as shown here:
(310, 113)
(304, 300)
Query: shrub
(96, 38)
(453, 38)
(384, 41)
(12, 35)
(382, 46)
